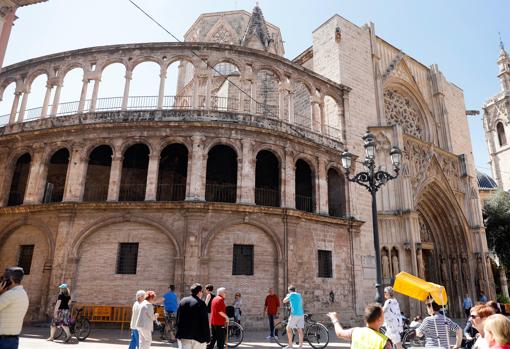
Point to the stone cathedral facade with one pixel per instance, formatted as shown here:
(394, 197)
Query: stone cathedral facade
(235, 178)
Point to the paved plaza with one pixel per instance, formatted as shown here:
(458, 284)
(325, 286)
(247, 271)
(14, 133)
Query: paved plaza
(35, 338)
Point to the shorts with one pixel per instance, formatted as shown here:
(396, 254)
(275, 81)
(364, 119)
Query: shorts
(62, 318)
(296, 321)
(393, 335)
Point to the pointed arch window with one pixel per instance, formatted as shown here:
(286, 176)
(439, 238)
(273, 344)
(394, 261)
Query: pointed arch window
(501, 134)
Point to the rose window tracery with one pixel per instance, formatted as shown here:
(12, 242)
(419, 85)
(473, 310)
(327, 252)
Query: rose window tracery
(402, 111)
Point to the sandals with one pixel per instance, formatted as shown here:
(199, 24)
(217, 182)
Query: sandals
(50, 339)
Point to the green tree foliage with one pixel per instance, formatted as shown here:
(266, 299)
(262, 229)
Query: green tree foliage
(497, 226)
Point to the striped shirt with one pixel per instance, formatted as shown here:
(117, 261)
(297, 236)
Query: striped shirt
(434, 329)
(13, 307)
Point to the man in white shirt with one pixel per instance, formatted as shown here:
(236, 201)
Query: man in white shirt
(135, 337)
(13, 307)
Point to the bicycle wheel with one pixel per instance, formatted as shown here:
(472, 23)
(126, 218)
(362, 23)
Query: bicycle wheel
(82, 329)
(409, 339)
(317, 335)
(280, 334)
(235, 334)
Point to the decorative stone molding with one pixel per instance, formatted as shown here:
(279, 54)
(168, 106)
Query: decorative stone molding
(401, 110)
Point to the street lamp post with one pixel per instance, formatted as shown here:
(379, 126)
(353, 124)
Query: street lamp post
(372, 180)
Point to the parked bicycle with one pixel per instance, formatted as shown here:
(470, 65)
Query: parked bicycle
(315, 333)
(167, 327)
(408, 337)
(79, 327)
(235, 332)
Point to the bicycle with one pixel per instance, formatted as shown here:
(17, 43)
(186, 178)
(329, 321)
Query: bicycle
(235, 332)
(408, 337)
(167, 327)
(79, 326)
(315, 333)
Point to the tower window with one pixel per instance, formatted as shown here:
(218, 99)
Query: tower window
(25, 257)
(325, 264)
(242, 261)
(501, 134)
(127, 258)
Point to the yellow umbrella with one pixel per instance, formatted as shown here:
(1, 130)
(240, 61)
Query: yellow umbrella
(420, 289)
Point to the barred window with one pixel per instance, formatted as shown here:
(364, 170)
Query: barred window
(25, 257)
(242, 261)
(127, 258)
(325, 264)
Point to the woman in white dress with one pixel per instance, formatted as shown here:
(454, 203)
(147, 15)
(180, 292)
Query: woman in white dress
(145, 321)
(392, 317)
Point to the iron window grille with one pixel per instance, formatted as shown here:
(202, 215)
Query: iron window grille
(325, 264)
(242, 261)
(26, 253)
(127, 258)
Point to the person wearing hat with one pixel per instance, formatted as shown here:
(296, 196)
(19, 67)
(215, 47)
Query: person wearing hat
(135, 337)
(61, 313)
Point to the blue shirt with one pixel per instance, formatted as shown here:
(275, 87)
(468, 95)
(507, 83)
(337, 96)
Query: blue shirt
(170, 302)
(483, 298)
(468, 303)
(296, 304)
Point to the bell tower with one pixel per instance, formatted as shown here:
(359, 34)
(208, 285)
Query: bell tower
(504, 68)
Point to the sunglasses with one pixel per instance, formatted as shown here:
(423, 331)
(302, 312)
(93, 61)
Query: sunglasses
(473, 316)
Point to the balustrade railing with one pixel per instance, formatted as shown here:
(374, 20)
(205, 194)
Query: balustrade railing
(15, 198)
(220, 192)
(171, 192)
(132, 192)
(95, 193)
(304, 203)
(267, 197)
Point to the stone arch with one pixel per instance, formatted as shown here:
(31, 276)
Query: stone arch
(101, 66)
(135, 140)
(223, 141)
(34, 75)
(89, 148)
(235, 62)
(30, 234)
(500, 130)
(73, 65)
(143, 59)
(101, 223)
(279, 75)
(230, 222)
(178, 58)
(176, 140)
(57, 146)
(157, 259)
(404, 95)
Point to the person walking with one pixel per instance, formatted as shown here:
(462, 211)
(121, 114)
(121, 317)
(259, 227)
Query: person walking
(483, 297)
(468, 304)
(219, 320)
(135, 337)
(238, 302)
(436, 328)
(192, 321)
(367, 337)
(479, 313)
(297, 315)
(13, 307)
(209, 296)
(170, 302)
(145, 321)
(61, 313)
(271, 307)
(392, 317)
(497, 332)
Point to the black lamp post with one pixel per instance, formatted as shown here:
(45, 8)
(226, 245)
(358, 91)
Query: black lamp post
(372, 180)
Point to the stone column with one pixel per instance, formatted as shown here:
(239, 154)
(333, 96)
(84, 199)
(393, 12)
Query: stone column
(23, 108)
(503, 281)
(322, 197)
(252, 90)
(95, 92)
(129, 76)
(36, 178)
(115, 177)
(208, 88)
(281, 103)
(345, 117)
(197, 175)
(316, 114)
(83, 95)
(76, 173)
(14, 108)
(247, 184)
(194, 96)
(289, 183)
(56, 99)
(161, 96)
(47, 96)
(152, 177)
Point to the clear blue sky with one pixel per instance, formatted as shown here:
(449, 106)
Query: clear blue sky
(460, 36)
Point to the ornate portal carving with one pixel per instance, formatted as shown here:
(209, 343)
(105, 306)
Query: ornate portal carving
(425, 233)
(402, 111)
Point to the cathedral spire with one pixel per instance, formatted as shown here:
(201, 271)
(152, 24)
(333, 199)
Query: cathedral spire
(257, 28)
(504, 67)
